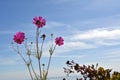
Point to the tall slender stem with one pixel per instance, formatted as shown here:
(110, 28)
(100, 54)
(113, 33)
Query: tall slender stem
(52, 40)
(33, 68)
(30, 72)
(50, 58)
(40, 69)
(43, 70)
(25, 62)
(29, 53)
(17, 50)
(49, 63)
(38, 56)
(50, 53)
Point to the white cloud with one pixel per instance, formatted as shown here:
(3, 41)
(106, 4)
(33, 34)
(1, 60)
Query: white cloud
(67, 47)
(93, 38)
(100, 36)
(74, 45)
(52, 24)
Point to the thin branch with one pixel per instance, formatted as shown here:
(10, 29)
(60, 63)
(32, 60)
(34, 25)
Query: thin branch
(50, 58)
(25, 62)
(38, 56)
(29, 53)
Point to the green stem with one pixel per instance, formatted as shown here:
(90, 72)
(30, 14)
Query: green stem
(49, 63)
(17, 50)
(33, 68)
(43, 71)
(50, 59)
(26, 64)
(29, 53)
(30, 72)
(38, 56)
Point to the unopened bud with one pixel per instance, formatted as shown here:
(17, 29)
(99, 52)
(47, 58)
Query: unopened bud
(43, 36)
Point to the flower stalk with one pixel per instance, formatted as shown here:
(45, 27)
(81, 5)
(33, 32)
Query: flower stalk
(19, 38)
(28, 64)
(28, 50)
(38, 54)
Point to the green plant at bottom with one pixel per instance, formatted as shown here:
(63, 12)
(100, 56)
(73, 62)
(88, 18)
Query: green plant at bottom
(90, 72)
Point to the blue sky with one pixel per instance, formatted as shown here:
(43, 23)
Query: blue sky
(91, 29)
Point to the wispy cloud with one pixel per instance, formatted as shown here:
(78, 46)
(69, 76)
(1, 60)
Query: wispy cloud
(52, 24)
(103, 36)
(112, 55)
(12, 60)
(67, 47)
(103, 4)
(98, 34)
(14, 75)
(110, 59)
(70, 56)
(74, 45)
(62, 1)
(87, 39)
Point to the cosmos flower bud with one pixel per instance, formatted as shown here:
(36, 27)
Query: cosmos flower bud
(43, 36)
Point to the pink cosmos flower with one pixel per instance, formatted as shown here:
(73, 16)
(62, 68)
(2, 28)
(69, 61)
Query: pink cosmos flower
(19, 37)
(39, 21)
(59, 41)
